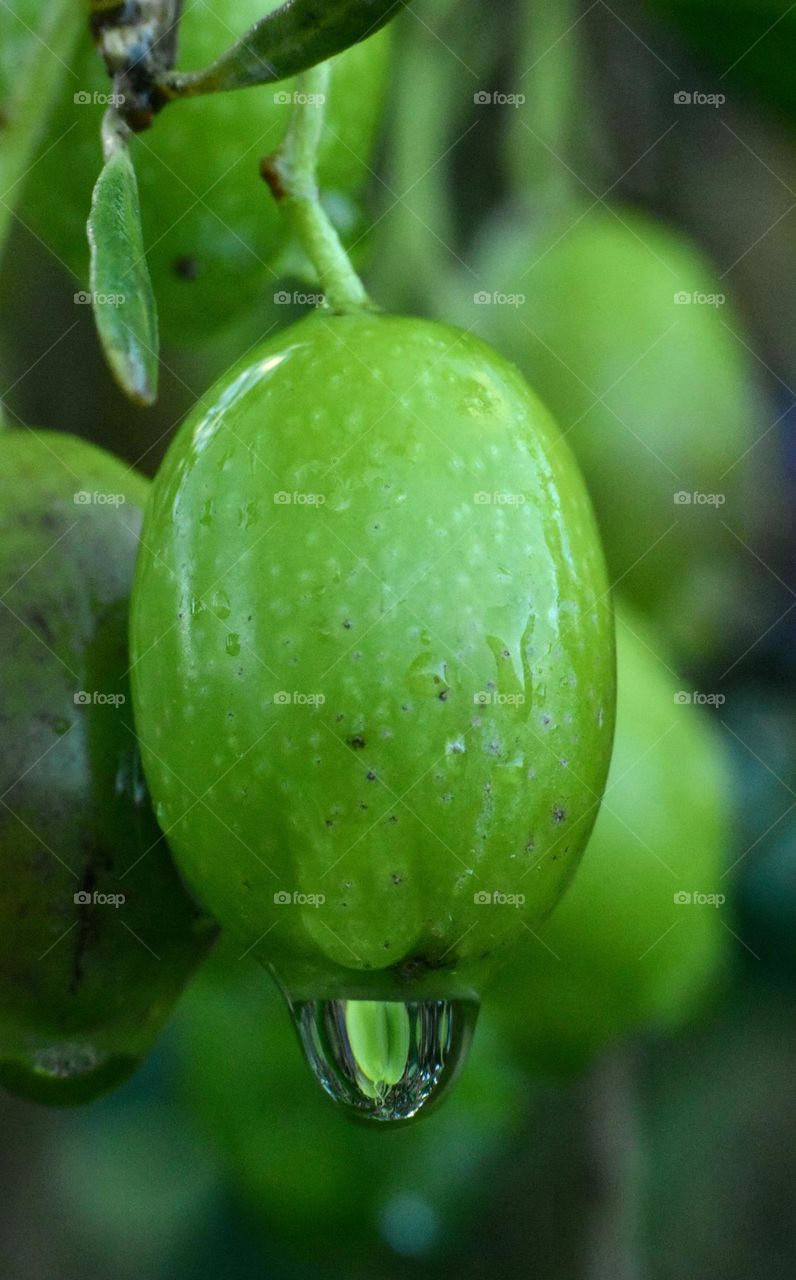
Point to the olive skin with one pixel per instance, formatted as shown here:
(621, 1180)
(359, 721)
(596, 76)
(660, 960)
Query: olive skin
(615, 329)
(215, 239)
(624, 949)
(373, 656)
(86, 980)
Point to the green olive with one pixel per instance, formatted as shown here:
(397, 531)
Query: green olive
(373, 660)
(639, 939)
(97, 934)
(629, 338)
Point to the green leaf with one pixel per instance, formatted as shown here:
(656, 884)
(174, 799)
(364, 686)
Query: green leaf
(122, 297)
(36, 43)
(291, 39)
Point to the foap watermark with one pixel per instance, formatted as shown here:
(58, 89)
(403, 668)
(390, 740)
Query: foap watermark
(284, 298)
(299, 99)
(96, 99)
(297, 899)
(696, 98)
(294, 499)
(694, 698)
(97, 498)
(694, 298)
(87, 298)
(694, 898)
(298, 499)
(297, 699)
(96, 698)
(497, 899)
(485, 298)
(485, 698)
(497, 98)
(484, 499)
(696, 498)
(85, 899)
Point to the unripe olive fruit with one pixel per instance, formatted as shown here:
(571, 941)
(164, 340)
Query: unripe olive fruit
(630, 339)
(373, 665)
(97, 934)
(639, 939)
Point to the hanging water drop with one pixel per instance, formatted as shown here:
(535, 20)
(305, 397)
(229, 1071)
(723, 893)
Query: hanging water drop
(385, 1060)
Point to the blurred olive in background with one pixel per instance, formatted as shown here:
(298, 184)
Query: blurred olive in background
(638, 940)
(97, 934)
(619, 324)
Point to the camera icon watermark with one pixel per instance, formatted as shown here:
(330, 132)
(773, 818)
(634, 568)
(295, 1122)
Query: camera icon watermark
(85, 899)
(96, 99)
(695, 298)
(684, 898)
(485, 298)
(284, 298)
(297, 699)
(695, 98)
(298, 899)
(85, 298)
(485, 499)
(497, 899)
(486, 698)
(695, 698)
(95, 698)
(286, 99)
(88, 498)
(285, 499)
(696, 498)
(485, 98)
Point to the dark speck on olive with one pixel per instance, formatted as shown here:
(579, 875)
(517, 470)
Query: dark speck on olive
(185, 267)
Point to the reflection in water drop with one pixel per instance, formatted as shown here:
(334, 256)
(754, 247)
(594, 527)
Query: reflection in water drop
(385, 1060)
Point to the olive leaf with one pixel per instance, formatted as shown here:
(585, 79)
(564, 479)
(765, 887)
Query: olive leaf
(121, 290)
(291, 39)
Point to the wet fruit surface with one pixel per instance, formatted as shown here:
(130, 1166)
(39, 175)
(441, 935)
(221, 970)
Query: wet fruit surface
(97, 935)
(213, 235)
(639, 937)
(373, 657)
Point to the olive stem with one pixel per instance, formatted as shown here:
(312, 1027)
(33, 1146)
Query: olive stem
(544, 126)
(292, 175)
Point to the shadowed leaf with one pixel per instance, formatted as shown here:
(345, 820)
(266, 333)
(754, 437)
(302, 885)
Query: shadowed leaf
(122, 297)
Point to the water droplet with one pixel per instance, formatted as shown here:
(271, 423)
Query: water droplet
(219, 603)
(233, 644)
(385, 1060)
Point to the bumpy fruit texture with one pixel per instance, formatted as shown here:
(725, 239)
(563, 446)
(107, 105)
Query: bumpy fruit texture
(215, 238)
(309, 1175)
(621, 330)
(97, 935)
(638, 940)
(371, 631)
